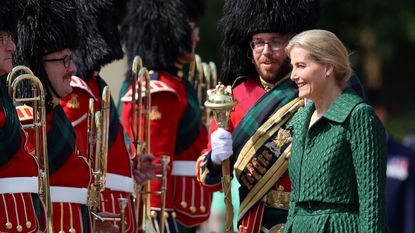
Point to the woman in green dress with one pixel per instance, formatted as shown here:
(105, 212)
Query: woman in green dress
(338, 160)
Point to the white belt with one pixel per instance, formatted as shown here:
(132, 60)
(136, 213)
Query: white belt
(68, 194)
(119, 183)
(19, 185)
(184, 168)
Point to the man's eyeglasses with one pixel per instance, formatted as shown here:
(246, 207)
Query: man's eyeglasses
(66, 60)
(259, 46)
(5, 38)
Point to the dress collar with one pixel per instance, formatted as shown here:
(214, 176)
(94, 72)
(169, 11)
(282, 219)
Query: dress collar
(343, 106)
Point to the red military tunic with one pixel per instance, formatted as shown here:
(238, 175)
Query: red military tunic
(18, 182)
(119, 181)
(170, 99)
(68, 185)
(247, 94)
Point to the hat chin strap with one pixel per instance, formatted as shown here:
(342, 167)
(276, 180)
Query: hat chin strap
(55, 94)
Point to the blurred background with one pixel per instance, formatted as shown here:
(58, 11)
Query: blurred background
(379, 34)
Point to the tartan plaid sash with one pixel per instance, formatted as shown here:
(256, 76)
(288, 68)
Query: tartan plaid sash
(261, 111)
(10, 133)
(191, 123)
(61, 140)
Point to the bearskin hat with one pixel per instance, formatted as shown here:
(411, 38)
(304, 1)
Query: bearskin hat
(100, 44)
(158, 31)
(243, 18)
(44, 26)
(8, 16)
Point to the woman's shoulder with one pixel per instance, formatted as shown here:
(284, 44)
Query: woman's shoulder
(363, 110)
(363, 117)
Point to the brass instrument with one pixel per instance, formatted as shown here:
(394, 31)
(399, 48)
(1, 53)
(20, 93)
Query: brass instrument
(16, 70)
(213, 74)
(97, 151)
(38, 125)
(140, 121)
(195, 67)
(196, 78)
(203, 77)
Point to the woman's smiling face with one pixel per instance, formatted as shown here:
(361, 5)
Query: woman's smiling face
(310, 76)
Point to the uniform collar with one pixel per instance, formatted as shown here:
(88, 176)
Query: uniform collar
(343, 106)
(268, 86)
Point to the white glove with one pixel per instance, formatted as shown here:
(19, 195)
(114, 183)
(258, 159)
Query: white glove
(221, 141)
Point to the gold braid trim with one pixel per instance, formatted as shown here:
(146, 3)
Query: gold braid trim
(266, 130)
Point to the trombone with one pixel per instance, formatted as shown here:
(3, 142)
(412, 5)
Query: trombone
(203, 77)
(38, 125)
(140, 121)
(97, 151)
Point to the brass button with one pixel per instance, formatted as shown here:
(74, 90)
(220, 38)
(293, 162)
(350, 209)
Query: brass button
(28, 224)
(180, 73)
(153, 214)
(165, 215)
(192, 209)
(9, 225)
(183, 204)
(19, 228)
(203, 209)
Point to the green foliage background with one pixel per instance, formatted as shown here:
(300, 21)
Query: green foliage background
(379, 34)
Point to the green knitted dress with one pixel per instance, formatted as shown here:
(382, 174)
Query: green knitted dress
(338, 170)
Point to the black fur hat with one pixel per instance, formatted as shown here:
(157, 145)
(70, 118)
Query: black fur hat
(44, 26)
(156, 30)
(100, 43)
(8, 16)
(195, 9)
(243, 18)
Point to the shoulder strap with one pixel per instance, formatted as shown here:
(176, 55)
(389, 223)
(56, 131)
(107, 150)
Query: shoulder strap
(77, 82)
(265, 154)
(155, 86)
(24, 112)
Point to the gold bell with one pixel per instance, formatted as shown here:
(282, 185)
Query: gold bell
(183, 204)
(173, 214)
(203, 208)
(192, 209)
(19, 228)
(153, 214)
(72, 230)
(61, 232)
(8, 225)
(28, 224)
